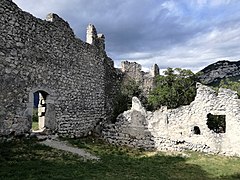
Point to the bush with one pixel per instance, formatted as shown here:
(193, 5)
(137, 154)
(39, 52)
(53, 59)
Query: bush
(123, 100)
(177, 87)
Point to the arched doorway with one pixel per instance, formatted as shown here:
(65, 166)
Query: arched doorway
(39, 110)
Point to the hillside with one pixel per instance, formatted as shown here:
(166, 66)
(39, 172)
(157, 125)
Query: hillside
(213, 73)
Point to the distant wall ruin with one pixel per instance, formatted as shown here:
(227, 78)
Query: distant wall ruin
(133, 71)
(184, 128)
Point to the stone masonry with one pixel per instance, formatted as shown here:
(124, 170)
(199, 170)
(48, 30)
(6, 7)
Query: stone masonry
(76, 83)
(184, 128)
(133, 71)
(77, 78)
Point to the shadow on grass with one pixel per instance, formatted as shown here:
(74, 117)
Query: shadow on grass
(234, 176)
(25, 159)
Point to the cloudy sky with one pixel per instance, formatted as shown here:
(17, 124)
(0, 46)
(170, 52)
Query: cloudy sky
(171, 33)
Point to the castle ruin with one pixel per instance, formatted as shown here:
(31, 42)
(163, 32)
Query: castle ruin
(75, 79)
(188, 127)
(74, 83)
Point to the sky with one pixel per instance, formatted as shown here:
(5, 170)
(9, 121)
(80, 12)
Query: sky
(189, 34)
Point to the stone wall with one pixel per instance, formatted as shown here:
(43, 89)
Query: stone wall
(45, 56)
(174, 129)
(131, 129)
(133, 71)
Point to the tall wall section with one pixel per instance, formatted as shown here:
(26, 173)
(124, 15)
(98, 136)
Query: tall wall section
(44, 55)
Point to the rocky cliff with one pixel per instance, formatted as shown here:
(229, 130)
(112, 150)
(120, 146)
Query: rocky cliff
(213, 73)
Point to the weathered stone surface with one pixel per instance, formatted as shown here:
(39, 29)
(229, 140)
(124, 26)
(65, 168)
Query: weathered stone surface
(44, 55)
(220, 70)
(131, 128)
(95, 39)
(173, 129)
(133, 71)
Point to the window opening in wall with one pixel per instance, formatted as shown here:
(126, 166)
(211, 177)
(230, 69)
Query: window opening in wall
(39, 110)
(196, 130)
(217, 123)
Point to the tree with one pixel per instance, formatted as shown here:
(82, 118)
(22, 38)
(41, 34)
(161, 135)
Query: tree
(123, 100)
(177, 87)
(228, 84)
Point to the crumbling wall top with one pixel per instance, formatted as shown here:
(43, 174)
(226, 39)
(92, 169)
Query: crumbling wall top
(154, 70)
(94, 38)
(54, 18)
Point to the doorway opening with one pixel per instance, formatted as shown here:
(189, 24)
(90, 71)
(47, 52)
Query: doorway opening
(196, 130)
(39, 110)
(217, 123)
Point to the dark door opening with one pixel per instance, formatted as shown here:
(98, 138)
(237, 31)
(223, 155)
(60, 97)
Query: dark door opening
(196, 130)
(217, 123)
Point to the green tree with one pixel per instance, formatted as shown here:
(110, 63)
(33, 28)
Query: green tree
(123, 100)
(177, 87)
(228, 84)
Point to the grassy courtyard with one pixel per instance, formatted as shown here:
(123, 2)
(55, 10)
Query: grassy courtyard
(26, 159)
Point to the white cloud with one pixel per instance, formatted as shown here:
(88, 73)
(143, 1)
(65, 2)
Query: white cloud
(172, 7)
(171, 33)
(200, 51)
(213, 3)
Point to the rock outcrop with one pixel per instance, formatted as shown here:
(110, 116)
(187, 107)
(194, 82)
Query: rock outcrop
(220, 70)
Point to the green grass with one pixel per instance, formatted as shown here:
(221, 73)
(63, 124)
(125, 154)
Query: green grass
(25, 159)
(35, 119)
(35, 126)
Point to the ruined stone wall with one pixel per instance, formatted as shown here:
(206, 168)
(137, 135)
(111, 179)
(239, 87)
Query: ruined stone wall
(173, 129)
(112, 84)
(45, 55)
(133, 71)
(131, 129)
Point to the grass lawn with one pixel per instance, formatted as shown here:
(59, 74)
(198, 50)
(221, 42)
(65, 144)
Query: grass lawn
(25, 159)
(35, 126)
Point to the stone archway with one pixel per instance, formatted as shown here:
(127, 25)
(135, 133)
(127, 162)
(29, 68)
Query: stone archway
(40, 98)
(41, 101)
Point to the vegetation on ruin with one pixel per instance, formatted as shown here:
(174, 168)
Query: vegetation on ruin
(177, 87)
(230, 84)
(26, 159)
(123, 100)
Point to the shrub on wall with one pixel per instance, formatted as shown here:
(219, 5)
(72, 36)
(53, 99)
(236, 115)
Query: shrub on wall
(123, 100)
(233, 85)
